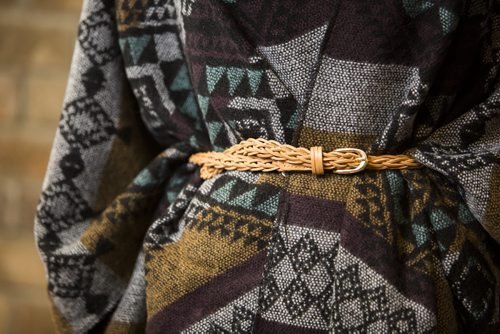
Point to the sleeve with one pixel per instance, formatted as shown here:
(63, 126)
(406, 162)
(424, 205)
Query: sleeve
(467, 148)
(116, 147)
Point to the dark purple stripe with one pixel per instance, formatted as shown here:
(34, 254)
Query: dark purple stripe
(389, 35)
(212, 33)
(275, 22)
(209, 298)
(314, 212)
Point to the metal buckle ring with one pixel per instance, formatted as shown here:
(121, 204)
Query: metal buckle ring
(363, 158)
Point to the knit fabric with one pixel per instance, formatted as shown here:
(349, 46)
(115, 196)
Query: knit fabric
(134, 240)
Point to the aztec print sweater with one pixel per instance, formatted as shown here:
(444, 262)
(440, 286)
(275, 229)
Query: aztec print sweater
(135, 241)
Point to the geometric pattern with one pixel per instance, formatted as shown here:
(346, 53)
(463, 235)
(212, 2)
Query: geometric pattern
(235, 227)
(68, 208)
(236, 193)
(134, 240)
(163, 228)
(93, 34)
(251, 122)
(237, 317)
(70, 275)
(298, 284)
(85, 123)
(234, 77)
(316, 284)
(295, 60)
(363, 309)
(368, 310)
(312, 282)
(472, 282)
(144, 13)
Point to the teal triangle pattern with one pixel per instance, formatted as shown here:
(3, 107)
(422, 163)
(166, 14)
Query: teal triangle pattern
(172, 195)
(214, 74)
(396, 188)
(122, 42)
(254, 78)
(234, 75)
(448, 20)
(421, 234)
(294, 119)
(245, 200)
(415, 7)
(440, 219)
(270, 206)
(203, 102)
(213, 132)
(176, 181)
(137, 45)
(189, 107)
(181, 81)
(223, 194)
(144, 178)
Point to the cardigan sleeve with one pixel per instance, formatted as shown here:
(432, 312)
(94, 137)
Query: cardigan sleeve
(115, 149)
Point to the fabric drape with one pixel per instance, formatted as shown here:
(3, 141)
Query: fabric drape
(133, 240)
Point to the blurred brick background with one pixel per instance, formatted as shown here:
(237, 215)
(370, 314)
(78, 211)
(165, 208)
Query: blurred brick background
(36, 45)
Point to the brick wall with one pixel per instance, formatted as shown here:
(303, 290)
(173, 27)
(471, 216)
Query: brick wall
(36, 45)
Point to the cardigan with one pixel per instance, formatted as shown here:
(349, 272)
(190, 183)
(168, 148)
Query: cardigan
(134, 240)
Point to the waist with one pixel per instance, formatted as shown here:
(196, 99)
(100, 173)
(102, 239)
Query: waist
(262, 155)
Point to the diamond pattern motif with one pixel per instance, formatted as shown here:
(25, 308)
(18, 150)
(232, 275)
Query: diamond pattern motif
(299, 280)
(236, 318)
(305, 254)
(279, 71)
(239, 228)
(58, 201)
(85, 124)
(94, 35)
(312, 282)
(69, 275)
(356, 308)
(297, 298)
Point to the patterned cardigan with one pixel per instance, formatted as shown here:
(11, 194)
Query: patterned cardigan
(134, 240)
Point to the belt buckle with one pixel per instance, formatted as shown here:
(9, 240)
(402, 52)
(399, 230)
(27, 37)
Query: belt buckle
(363, 158)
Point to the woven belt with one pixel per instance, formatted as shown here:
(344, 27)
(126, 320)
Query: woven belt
(262, 155)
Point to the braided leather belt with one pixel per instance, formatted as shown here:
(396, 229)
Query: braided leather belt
(262, 155)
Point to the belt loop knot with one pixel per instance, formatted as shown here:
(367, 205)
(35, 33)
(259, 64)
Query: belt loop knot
(317, 160)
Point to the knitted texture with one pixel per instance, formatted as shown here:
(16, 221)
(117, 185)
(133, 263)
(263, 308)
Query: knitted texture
(134, 240)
